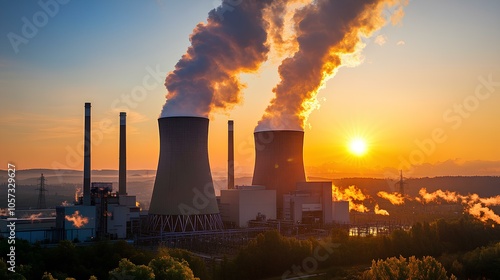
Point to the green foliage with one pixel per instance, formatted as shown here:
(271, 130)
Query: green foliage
(270, 254)
(168, 268)
(196, 264)
(162, 268)
(48, 276)
(128, 270)
(6, 274)
(482, 262)
(414, 269)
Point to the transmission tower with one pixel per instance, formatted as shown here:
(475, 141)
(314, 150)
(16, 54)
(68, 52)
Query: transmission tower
(401, 183)
(41, 193)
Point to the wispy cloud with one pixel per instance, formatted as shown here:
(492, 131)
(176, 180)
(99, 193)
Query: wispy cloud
(381, 40)
(401, 43)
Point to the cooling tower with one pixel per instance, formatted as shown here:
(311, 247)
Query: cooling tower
(278, 162)
(183, 197)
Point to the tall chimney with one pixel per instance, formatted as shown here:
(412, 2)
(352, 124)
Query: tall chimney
(183, 197)
(86, 157)
(279, 162)
(230, 155)
(122, 173)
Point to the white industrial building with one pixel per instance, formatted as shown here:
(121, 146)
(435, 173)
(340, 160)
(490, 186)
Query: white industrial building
(242, 204)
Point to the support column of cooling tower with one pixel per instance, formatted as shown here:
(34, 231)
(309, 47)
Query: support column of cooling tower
(183, 198)
(86, 157)
(122, 173)
(279, 162)
(230, 155)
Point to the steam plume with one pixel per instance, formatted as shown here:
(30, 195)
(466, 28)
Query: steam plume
(352, 194)
(379, 211)
(473, 203)
(77, 219)
(439, 194)
(206, 77)
(33, 217)
(394, 198)
(326, 31)
(78, 193)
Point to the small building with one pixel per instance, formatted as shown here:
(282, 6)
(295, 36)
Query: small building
(244, 203)
(31, 225)
(76, 222)
(311, 203)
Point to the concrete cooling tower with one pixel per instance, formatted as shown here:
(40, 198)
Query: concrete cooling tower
(279, 162)
(183, 197)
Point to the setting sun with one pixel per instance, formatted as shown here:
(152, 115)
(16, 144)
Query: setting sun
(358, 146)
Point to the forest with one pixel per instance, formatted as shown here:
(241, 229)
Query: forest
(464, 248)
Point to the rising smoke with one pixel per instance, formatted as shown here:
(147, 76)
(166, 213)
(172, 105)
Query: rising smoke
(238, 40)
(352, 194)
(473, 203)
(77, 219)
(394, 198)
(327, 31)
(231, 42)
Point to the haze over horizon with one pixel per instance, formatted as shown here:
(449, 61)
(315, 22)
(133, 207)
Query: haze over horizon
(424, 99)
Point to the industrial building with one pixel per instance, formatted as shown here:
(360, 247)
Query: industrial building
(310, 203)
(242, 204)
(99, 213)
(279, 166)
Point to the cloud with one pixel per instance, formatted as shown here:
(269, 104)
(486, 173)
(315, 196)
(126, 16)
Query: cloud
(381, 40)
(401, 43)
(398, 14)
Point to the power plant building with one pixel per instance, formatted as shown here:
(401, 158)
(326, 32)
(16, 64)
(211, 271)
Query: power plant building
(310, 203)
(244, 203)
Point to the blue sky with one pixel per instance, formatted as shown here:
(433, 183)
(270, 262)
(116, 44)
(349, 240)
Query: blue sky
(99, 51)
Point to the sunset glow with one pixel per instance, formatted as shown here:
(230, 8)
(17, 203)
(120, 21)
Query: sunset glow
(358, 147)
(403, 86)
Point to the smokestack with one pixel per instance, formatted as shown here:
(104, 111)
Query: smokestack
(183, 197)
(279, 162)
(122, 173)
(230, 155)
(86, 157)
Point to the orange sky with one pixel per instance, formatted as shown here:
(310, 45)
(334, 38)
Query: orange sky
(422, 78)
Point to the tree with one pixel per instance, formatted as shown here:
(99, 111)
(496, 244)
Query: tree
(47, 276)
(168, 268)
(127, 270)
(414, 269)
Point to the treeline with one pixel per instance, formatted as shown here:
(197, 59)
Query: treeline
(467, 248)
(274, 255)
(100, 261)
